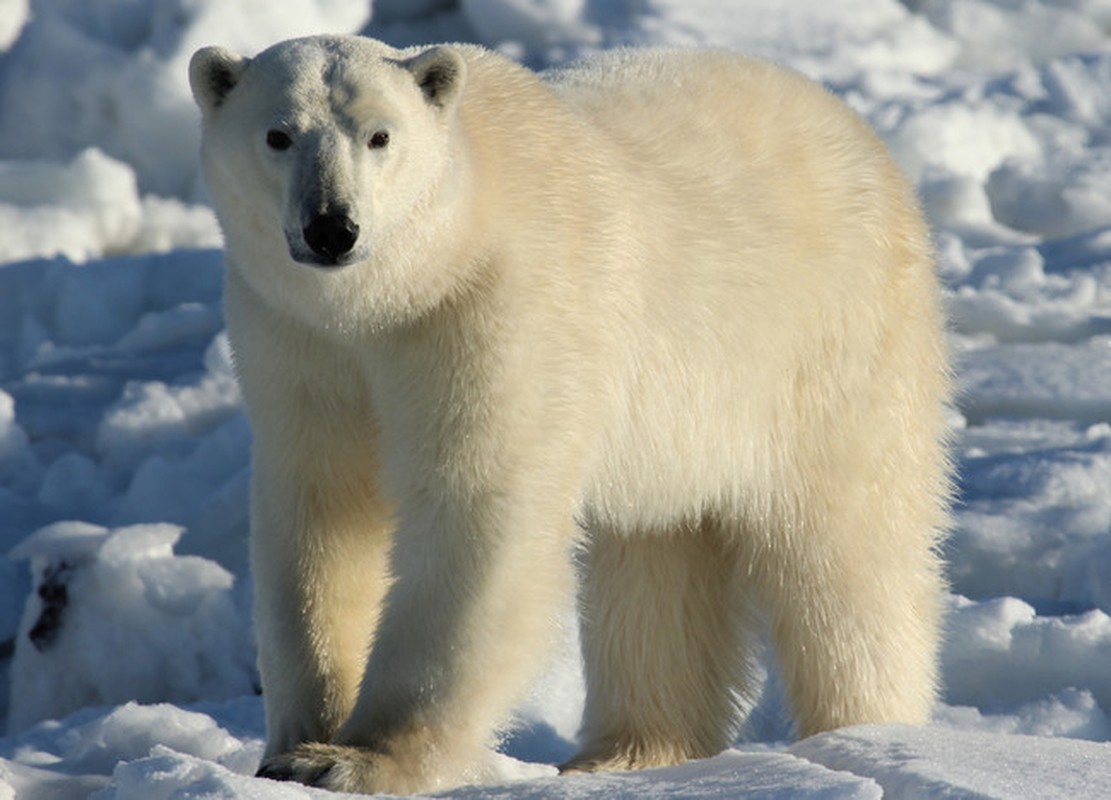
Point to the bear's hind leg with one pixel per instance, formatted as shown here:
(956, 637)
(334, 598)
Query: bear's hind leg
(662, 628)
(855, 629)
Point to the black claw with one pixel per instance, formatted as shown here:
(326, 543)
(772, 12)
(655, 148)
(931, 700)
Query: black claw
(288, 772)
(274, 772)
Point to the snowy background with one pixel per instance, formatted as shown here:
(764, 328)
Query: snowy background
(126, 659)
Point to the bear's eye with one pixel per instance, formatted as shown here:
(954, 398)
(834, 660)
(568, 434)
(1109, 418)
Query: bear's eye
(278, 140)
(379, 140)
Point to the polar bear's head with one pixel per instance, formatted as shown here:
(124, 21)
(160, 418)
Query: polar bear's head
(319, 151)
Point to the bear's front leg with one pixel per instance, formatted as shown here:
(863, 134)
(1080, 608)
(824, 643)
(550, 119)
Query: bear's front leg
(462, 630)
(319, 577)
(320, 524)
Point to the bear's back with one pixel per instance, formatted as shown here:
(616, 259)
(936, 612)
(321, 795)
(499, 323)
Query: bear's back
(714, 117)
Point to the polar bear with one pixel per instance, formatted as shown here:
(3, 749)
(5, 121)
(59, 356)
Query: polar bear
(662, 328)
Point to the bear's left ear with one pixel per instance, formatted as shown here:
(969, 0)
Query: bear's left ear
(440, 73)
(213, 73)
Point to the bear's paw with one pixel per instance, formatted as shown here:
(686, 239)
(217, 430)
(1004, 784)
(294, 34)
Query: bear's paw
(340, 768)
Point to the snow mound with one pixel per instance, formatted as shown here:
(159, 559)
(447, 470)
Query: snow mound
(116, 616)
(112, 74)
(1000, 653)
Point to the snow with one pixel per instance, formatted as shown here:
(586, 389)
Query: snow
(126, 651)
(911, 762)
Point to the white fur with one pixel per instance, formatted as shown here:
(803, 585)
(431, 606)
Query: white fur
(675, 309)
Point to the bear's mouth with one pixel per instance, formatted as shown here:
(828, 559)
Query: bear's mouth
(303, 255)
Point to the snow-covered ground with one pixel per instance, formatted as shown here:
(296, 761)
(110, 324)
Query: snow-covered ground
(126, 659)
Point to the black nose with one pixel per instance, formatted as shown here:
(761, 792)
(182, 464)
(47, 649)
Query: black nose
(331, 236)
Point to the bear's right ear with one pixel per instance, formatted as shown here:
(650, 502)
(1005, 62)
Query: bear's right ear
(213, 73)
